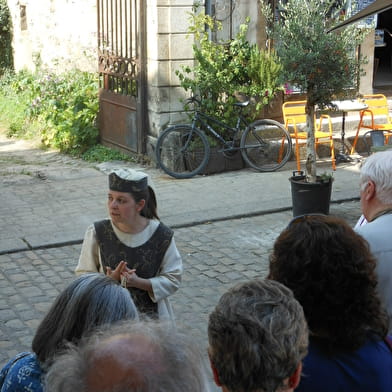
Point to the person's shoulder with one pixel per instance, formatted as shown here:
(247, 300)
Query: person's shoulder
(25, 359)
(154, 223)
(165, 229)
(323, 371)
(378, 347)
(376, 227)
(21, 372)
(92, 228)
(23, 356)
(100, 223)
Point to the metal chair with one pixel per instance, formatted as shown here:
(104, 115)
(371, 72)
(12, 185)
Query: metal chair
(294, 115)
(377, 110)
(377, 141)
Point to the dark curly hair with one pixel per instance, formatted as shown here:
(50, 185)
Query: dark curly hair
(332, 274)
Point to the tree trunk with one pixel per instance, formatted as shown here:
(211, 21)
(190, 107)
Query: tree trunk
(310, 146)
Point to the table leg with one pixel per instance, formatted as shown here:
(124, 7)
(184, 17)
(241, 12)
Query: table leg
(342, 156)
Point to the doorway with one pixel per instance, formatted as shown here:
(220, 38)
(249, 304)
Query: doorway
(383, 51)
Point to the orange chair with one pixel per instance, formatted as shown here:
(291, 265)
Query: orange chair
(377, 106)
(294, 115)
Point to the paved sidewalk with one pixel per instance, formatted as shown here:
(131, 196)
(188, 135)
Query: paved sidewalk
(55, 205)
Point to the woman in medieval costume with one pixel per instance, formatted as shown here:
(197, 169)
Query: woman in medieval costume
(133, 246)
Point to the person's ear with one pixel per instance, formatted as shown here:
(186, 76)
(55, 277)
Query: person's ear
(370, 190)
(214, 372)
(140, 205)
(295, 378)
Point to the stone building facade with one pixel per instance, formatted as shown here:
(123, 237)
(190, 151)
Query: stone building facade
(56, 34)
(62, 34)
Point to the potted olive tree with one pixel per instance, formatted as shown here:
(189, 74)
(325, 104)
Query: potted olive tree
(323, 66)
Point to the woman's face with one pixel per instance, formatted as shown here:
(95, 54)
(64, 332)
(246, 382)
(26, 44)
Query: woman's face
(123, 208)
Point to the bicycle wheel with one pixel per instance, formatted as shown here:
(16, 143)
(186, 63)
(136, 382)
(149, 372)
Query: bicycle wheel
(182, 151)
(266, 145)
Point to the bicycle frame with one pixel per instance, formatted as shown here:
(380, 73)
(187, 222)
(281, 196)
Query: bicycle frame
(204, 120)
(183, 150)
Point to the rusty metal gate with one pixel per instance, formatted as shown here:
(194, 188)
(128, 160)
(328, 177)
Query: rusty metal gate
(122, 68)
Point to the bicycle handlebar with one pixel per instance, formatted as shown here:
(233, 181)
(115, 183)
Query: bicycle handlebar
(192, 99)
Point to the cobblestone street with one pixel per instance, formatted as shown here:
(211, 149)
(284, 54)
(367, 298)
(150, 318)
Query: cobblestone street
(215, 255)
(225, 226)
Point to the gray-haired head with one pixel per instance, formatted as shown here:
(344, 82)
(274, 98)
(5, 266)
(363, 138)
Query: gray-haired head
(88, 301)
(149, 356)
(378, 168)
(258, 337)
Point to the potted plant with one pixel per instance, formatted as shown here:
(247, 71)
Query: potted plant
(225, 72)
(322, 65)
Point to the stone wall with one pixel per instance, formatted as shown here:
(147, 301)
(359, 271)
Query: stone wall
(168, 47)
(59, 34)
(232, 13)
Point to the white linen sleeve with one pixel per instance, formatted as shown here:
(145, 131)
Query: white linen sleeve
(168, 279)
(89, 259)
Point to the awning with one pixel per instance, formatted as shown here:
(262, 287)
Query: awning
(375, 8)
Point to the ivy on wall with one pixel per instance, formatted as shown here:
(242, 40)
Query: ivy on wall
(6, 58)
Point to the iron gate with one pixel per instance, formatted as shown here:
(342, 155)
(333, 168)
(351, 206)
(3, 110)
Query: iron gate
(121, 50)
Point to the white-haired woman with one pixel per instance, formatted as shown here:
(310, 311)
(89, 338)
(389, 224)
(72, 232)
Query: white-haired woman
(133, 246)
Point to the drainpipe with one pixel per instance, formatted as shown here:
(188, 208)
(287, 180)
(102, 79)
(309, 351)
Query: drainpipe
(208, 11)
(231, 19)
(208, 7)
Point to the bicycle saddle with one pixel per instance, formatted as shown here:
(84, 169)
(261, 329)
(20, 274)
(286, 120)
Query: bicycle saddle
(242, 104)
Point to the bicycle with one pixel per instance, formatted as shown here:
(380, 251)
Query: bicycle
(183, 150)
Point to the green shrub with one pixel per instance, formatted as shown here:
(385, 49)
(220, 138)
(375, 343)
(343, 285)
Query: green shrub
(13, 104)
(222, 71)
(62, 109)
(6, 57)
(100, 153)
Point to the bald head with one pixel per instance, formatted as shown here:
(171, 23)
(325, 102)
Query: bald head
(124, 360)
(141, 357)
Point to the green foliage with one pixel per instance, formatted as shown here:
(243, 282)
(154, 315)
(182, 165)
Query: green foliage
(69, 107)
(59, 110)
(65, 105)
(6, 58)
(13, 107)
(100, 153)
(224, 70)
(264, 71)
(322, 65)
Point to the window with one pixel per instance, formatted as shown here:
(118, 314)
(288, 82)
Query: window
(23, 19)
